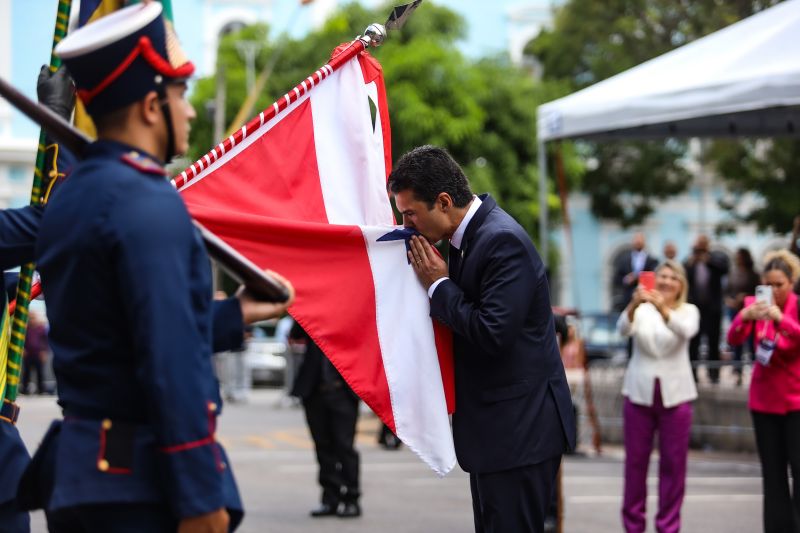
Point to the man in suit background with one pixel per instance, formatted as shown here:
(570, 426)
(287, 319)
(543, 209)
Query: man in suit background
(513, 417)
(705, 270)
(331, 409)
(627, 269)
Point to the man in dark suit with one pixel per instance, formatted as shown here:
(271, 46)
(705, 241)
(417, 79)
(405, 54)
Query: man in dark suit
(704, 271)
(627, 269)
(513, 417)
(331, 413)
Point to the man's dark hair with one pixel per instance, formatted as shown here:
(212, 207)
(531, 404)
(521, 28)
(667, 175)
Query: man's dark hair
(111, 120)
(429, 171)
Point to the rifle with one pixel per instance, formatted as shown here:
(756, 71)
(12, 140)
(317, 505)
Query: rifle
(260, 284)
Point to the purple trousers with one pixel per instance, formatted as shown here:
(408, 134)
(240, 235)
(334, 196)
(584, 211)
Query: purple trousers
(640, 425)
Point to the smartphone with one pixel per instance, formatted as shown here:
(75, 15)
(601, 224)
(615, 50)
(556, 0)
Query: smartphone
(647, 279)
(764, 294)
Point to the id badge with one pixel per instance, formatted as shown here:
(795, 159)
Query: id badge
(764, 351)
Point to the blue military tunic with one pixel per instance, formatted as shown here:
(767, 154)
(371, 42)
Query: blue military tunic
(128, 288)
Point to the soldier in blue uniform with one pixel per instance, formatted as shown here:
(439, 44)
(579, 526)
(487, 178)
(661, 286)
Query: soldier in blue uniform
(128, 288)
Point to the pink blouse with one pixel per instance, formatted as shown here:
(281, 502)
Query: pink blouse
(775, 388)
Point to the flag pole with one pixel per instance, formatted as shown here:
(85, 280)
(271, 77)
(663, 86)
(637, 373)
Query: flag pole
(194, 170)
(261, 285)
(19, 324)
(374, 35)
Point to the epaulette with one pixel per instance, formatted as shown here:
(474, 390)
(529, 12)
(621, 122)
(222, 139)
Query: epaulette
(143, 163)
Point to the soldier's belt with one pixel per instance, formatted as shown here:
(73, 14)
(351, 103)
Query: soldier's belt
(9, 412)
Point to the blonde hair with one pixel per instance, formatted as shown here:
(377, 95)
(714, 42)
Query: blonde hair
(785, 261)
(677, 268)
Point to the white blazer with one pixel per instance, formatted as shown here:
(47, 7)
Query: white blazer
(660, 351)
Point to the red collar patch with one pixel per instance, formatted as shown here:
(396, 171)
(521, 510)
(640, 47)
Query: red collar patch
(143, 163)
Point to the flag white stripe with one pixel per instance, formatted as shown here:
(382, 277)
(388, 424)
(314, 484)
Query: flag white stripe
(342, 119)
(408, 349)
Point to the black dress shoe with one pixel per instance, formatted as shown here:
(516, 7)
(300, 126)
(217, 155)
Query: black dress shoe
(348, 510)
(324, 509)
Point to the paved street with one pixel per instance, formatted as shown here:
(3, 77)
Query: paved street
(273, 460)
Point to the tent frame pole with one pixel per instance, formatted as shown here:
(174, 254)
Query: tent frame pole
(544, 245)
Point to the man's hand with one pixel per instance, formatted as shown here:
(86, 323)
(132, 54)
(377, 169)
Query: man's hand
(255, 310)
(213, 522)
(426, 261)
(56, 91)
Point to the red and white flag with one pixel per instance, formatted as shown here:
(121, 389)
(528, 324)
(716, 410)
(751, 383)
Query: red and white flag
(305, 194)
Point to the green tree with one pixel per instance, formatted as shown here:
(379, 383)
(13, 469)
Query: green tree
(482, 111)
(591, 41)
(769, 167)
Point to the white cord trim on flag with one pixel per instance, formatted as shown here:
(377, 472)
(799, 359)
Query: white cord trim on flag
(305, 88)
(208, 160)
(262, 118)
(297, 92)
(226, 153)
(310, 80)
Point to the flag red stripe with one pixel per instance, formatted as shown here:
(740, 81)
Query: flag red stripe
(332, 296)
(282, 103)
(272, 182)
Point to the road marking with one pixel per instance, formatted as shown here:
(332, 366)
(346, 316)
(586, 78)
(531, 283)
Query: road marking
(293, 440)
(260, 442)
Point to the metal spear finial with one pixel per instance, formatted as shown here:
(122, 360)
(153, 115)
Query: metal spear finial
(375, 33)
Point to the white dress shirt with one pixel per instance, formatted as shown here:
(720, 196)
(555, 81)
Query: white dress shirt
(458, 236)
(660, 351)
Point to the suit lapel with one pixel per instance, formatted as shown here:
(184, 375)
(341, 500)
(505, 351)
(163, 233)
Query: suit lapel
(487, 204)
(457, 257)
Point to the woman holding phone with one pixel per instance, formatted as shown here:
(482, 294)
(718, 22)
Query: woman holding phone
(771, 316)
(658, 390)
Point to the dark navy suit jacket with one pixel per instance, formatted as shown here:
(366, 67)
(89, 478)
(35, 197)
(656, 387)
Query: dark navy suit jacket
(513, 405)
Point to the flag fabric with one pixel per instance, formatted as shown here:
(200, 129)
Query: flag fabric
(305, 195)
(91, 10)
(9, 371)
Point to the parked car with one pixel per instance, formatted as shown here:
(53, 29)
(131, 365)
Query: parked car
(601, 338)
(265, 359)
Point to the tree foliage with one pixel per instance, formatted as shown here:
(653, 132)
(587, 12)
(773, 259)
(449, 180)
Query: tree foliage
(771, 168)
(591, 41)
(482, 111)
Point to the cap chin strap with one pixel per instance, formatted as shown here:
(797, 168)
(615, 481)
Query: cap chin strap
(165, 110)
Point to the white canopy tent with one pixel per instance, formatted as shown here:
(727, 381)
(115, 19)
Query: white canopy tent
(743, 80)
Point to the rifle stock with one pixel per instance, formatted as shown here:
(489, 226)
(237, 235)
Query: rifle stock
(259, 284)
